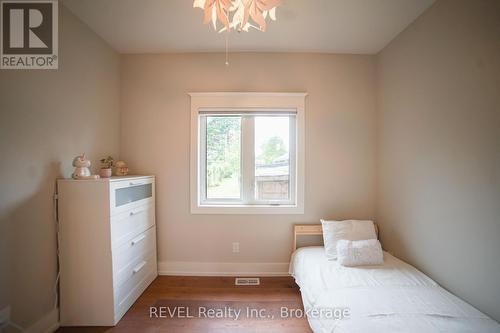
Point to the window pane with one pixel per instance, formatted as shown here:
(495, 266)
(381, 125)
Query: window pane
(223, 160)
(272, 158)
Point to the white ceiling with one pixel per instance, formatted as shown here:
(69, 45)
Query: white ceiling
(330, 26)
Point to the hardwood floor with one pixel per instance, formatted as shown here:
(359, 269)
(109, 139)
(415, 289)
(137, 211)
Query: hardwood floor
(200, 294)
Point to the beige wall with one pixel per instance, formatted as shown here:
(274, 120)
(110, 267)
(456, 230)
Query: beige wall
(340, 135)
(439, 160)
(46, 118)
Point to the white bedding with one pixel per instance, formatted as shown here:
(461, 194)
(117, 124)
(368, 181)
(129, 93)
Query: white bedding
(394, 297)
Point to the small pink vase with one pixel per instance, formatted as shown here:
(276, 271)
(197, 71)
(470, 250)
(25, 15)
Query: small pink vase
(105, 173)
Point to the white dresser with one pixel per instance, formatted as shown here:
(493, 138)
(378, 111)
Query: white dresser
(107, 247)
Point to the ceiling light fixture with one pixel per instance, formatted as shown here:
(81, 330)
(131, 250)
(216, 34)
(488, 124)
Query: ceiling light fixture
(239, 15)
(236, 14)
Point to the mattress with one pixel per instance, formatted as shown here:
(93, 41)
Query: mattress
(393, 297)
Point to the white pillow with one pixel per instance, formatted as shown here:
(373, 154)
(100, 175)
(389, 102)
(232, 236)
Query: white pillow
(333, 231)
(358, 253)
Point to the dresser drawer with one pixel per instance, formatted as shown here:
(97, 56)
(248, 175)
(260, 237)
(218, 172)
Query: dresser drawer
(123, 304)
(129, 194)
(131, 223)
(143, 269)
(131, 253)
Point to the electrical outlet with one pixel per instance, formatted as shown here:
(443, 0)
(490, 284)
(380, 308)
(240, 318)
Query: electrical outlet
(4, 316)
(236, 247)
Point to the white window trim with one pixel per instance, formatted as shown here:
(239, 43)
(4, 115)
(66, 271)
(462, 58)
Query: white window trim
(232, 100)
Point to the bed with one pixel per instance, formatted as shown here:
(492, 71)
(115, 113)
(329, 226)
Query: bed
(393, 297)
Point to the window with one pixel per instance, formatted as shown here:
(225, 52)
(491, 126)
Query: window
(245, 158)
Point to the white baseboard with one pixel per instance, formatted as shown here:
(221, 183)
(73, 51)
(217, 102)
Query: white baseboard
(47, 324)
(190, 268)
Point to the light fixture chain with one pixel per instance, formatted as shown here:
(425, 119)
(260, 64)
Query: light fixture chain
(227, 48)
(227, 41)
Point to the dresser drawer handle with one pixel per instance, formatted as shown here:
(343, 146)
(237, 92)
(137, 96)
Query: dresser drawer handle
(138, 239)
(139, 267)
(135, 183)
(132, 213)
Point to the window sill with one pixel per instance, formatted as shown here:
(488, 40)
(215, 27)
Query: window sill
(247, 209)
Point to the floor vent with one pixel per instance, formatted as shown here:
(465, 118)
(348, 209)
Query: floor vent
(247, 281)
